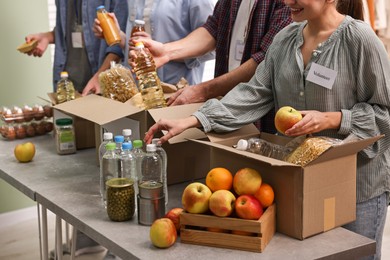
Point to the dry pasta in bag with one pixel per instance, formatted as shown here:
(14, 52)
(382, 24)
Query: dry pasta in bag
(117, 83)
(310, 149)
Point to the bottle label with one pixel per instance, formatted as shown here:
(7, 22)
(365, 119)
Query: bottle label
(66, 140)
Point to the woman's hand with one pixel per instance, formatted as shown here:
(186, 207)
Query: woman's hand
(314, 122)
(173, 126)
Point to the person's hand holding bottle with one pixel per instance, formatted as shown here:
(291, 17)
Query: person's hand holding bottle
(98, 31)
(160, 56)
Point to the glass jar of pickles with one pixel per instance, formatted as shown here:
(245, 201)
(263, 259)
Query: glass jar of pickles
(120, 199)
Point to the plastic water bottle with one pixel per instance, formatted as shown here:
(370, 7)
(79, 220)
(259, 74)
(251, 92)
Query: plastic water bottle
(151, 197)
(148, 81)
(109, 169)
(263, 147)
(107, 137)
(138, 153)
(127, 134)
(65, 88)
(163, 154)
(118, 139)
(127, 162)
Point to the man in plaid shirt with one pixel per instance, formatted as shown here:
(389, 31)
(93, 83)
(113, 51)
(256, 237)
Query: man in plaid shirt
(240, 33)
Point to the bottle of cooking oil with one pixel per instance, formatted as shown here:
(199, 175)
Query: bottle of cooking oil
(65, 89)
(148, 81)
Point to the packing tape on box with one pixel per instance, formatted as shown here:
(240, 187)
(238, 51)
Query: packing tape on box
(329, 213)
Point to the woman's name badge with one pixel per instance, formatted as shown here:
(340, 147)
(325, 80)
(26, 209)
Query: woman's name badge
(321, 75)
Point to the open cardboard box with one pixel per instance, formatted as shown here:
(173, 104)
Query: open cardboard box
(84, 129)
(309, 200)
(186, 161)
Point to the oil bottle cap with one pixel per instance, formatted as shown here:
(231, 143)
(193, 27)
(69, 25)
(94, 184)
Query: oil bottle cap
(100, 7)
(64, 74)
(139, 22)
(139, 45)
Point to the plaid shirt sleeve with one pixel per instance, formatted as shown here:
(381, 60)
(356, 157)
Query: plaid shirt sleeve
(279, 17)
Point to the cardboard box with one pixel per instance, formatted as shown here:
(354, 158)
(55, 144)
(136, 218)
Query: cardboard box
(311, 199)
(84, 129)
(186, 161)
(194, 231)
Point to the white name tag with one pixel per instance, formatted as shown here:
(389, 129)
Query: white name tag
(321, 75)
(240, 45)
(77, 40)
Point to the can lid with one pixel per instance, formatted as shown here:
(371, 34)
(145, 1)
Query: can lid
(100, 7)
(64, 121)
(119, 182)
(137, 143)
(127, 146)
(110, 146)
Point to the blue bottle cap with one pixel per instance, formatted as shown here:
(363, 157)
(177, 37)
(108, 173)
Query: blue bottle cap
(119, 139)
(127, 146)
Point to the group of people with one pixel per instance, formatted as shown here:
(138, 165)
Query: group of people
(268, 54)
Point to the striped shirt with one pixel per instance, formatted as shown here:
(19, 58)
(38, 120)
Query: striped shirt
(361, 92)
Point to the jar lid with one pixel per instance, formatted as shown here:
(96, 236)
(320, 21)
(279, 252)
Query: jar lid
(64, 121)
(119, 182)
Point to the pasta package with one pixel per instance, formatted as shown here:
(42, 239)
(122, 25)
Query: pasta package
(310, 149)
(117, 83)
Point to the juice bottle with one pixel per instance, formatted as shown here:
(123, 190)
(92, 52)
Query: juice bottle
(110, 30)
(139, 26)
(148, 81)
(65, 88)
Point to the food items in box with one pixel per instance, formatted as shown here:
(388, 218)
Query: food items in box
(310, 149)
(117, 83)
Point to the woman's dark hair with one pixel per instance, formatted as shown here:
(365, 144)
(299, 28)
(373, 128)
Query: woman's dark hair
(353, 8)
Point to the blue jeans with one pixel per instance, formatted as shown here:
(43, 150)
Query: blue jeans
(370, 221)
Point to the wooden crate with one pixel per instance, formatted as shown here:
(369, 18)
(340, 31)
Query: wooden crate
(194, 231)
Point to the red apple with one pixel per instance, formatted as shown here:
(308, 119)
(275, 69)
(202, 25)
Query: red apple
(24, 152)
(195, 198)
(163, 233)
(248, 207)
(222, 203)
(174, 215)
(246, 181)
(286, 117)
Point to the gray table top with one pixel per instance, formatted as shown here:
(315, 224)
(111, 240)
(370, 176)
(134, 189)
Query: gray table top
(68, 185)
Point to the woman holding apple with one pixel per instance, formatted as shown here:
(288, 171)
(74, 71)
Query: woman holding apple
(334, 70)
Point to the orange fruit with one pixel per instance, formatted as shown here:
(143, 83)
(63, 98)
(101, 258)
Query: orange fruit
(265, 194)
(219, 179)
